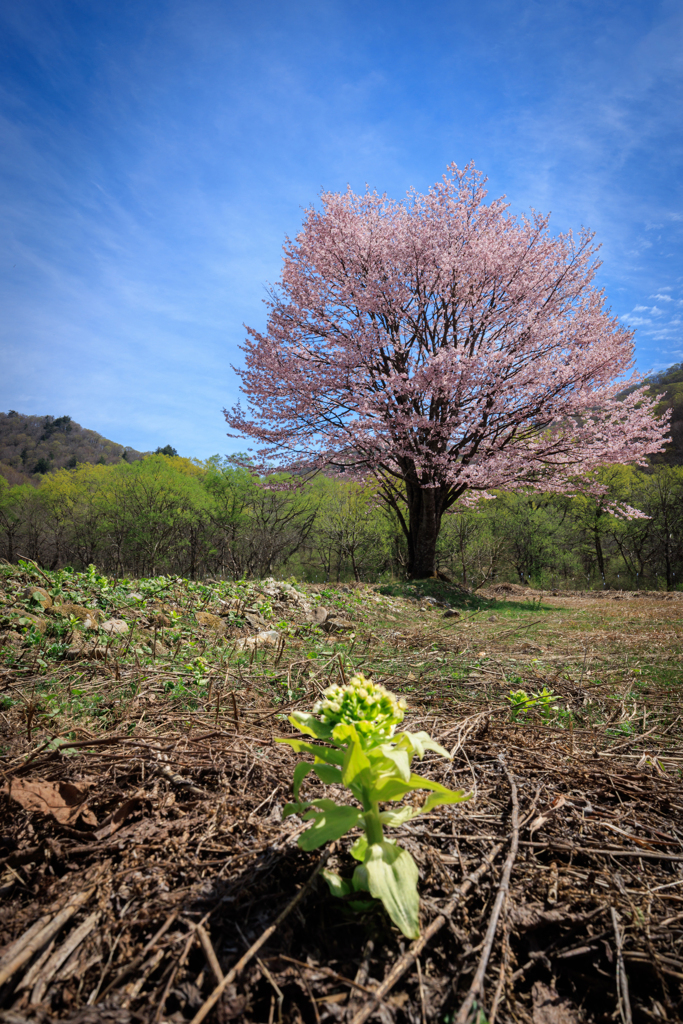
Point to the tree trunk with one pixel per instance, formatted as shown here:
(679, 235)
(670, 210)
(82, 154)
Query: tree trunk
(599, 554)
(425, 509)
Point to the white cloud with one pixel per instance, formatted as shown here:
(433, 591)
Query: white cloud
(664, 298)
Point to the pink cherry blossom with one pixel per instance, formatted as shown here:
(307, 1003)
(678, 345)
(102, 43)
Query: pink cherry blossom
(444, 346)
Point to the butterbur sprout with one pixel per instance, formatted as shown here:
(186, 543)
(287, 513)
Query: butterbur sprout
(374, 710)
(361, 750)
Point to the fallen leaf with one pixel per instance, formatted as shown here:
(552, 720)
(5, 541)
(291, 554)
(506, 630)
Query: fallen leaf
(64, 801)
(116, 820)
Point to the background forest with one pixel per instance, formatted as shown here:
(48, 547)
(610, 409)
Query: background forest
(160, 514)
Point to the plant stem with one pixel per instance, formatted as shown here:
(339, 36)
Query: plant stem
(373, 827)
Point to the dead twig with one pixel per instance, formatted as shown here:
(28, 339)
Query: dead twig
(623, 999)
(136, 961)
(477, 984)
(35, 940)
(254, 948)
(210, 953)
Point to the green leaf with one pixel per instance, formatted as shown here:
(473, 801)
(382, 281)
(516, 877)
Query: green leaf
(325, 804)
(420, 742)
(328, 754)
(388, 788)
(331, 824)
(328, 774)
(417, 782)
(343, 732)
(391, 759)
(337, 885)
(311, 725)
(453, 796)
(399, 817)
(355, 762)
(293, 809)
(359, 848)
(300, 773)
(390, 875)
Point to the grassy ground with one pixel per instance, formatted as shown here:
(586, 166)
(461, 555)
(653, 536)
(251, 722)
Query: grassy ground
(143, 798)
(173, 666)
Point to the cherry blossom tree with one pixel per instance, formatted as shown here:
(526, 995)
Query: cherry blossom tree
(444, 346)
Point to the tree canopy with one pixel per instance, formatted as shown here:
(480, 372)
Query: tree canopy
(443, 345)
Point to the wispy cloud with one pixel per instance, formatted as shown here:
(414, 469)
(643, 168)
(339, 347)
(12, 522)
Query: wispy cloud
(153, 157)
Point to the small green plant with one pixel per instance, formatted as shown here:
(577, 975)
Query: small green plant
(543, 701)
(360, 750)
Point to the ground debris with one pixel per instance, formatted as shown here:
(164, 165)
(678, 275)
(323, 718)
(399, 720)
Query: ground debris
(144, 850)
(184, 865)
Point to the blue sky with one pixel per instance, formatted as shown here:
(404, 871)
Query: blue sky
(153, 155)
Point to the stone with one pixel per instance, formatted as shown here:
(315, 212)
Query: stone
(211, 621)
(337, 625)
(89, 618)
(254, 619)
(85, 650)
(21, 618)
(114, 626)
(39, 596)
(269, 638)
(318, 616)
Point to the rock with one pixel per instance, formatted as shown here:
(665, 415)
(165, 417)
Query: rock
(254, 619)
(551, 1008)
(318, 616)
(269, 638)
(79, 651)
(21, 618)
(88, 617)
(337, 625)
(451, 613)
(113, 626)
(211, 621)
(39, 596)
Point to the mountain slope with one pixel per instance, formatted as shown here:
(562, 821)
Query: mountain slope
(669, 383)
(34, 445)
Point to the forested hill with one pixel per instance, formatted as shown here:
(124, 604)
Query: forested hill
(35, 445)
(670, 384)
